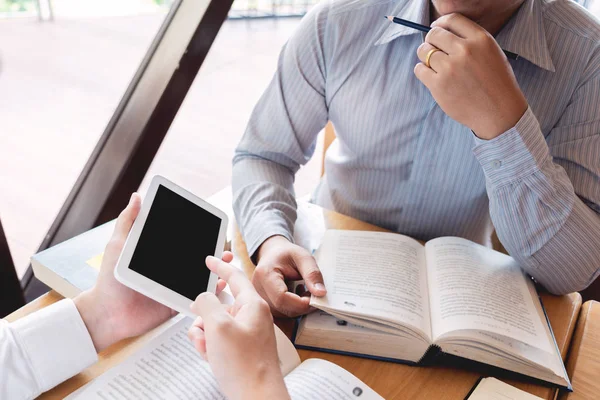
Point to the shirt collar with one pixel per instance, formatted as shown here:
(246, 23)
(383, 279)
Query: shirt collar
(411, 10)
(524, 34)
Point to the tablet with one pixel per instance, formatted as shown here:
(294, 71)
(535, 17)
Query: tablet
(164, 255)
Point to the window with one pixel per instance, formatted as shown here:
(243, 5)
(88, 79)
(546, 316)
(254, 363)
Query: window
(60, 82)
(199, 146)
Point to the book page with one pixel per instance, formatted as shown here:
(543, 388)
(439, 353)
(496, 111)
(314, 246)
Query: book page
(320, 379)
(494, 389)
(169, 367)
(473, 287)
(375, 274)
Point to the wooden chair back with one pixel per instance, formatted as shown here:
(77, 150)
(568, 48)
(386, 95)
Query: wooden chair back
(328, 139)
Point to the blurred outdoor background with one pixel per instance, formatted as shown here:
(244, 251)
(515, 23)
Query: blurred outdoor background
(64, 65)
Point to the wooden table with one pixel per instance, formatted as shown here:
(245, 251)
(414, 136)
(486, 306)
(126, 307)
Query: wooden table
(583, 363)
(392, 381)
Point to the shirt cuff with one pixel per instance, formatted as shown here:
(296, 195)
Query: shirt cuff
(56, 343)
(263, 227)
(515, 154)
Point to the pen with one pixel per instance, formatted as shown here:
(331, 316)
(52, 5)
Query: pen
(509, 54)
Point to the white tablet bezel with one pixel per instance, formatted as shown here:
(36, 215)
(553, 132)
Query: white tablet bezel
(147, 286)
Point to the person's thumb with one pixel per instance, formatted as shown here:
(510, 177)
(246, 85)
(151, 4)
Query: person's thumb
(313, 279)
(207, 306)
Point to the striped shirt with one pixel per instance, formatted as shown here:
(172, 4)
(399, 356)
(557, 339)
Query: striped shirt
(399, 162)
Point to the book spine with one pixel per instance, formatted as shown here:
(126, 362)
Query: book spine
(430, 355)
(566, 375)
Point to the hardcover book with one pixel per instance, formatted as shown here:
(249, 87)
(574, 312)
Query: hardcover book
(390, 297)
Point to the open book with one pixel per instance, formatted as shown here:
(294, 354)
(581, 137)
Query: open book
(169, 367)
(390, 297)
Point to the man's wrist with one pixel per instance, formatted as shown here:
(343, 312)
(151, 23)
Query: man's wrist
(501, 124)
(269, 243)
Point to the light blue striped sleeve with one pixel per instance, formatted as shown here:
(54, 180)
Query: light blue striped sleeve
(545, 193)
(281, 135)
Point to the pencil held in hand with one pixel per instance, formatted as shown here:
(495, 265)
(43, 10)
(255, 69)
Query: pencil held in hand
(509, 54)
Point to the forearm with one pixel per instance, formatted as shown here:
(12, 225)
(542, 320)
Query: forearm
(43, 349)
(96, 320)
(563, 254)
(281, 134)
(263, 200)
(537, 214)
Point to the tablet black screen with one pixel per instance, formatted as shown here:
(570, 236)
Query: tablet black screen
(175, 240)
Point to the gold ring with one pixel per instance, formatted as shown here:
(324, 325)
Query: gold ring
(428, 57)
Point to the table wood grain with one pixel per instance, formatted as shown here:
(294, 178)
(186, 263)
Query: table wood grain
(392, 381)
(583, 363)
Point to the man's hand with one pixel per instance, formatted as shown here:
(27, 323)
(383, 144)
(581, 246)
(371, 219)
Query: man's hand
(110, 310)
(238, 341)
(280, 261)
(470, 78)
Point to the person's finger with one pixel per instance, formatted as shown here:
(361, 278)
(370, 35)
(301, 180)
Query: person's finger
(444, 40)
(424, 74)
(208, 307)
(459, 25)
(313, 279)
(221, 285)
(289, 304)
(199, 322)
(436, 60)
(236, 279)
(227, 256)
(198, 339)
(127, 217)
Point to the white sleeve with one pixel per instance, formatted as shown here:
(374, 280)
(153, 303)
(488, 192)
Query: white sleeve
(43, 349)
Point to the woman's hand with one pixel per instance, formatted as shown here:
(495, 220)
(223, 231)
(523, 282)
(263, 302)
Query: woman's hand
(238, 341)
(110, 310)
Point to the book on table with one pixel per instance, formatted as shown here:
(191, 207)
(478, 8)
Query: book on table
(170, 368)
(494, 389)
(72, 266)
(390, 297)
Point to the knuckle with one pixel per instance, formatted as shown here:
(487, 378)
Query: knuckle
(432, 34)
(202, 296)
(464, 50)
(279, 303)
(259, 272)
(306, 257)
(263, 307)
(222, 323)
(313, 275)
(417, 69)
(484, 36)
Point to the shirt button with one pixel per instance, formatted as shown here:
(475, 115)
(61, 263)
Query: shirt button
(496, 164)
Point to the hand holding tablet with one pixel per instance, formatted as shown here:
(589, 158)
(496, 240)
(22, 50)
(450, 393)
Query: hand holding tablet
(164, 255)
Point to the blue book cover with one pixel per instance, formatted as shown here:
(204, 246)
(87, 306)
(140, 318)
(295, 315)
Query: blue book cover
(72, 266)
